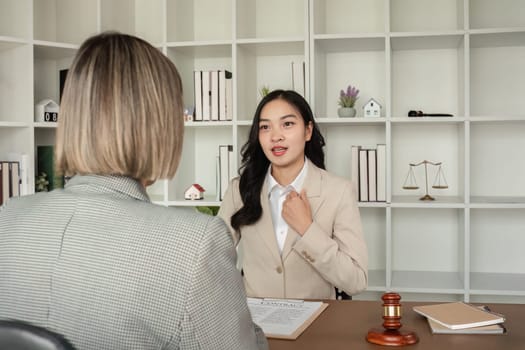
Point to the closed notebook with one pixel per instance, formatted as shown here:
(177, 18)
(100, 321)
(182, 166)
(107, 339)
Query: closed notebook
(436, 328)
(458, 315)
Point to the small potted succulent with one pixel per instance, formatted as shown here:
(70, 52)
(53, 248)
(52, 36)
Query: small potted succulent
(347, 101)
(265, 90)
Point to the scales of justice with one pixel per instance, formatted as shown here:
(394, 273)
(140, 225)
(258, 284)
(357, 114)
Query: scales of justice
(439, 182)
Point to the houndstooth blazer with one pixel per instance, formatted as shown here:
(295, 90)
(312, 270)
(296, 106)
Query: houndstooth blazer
(101, 264)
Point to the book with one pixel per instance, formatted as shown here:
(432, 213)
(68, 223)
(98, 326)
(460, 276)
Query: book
(229, 99)
(4, 182)
(225, 78)
(381, 172)
(363, 175)
(437, 328)
(23, 160)
(62, 75)
(458, 315)
(231, 162)
(372, 175)
(14, 179)
(355, 167)
(298, 77)
(206, 95)
(197, 83)
(224, 168)
(214, 95)
(284, 318)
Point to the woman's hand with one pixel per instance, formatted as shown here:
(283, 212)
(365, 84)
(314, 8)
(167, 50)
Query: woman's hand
(297, 212)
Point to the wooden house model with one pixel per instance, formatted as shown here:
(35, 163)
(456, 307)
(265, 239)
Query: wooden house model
(194, 192)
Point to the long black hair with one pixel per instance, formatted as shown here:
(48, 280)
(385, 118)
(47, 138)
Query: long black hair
(254, 163)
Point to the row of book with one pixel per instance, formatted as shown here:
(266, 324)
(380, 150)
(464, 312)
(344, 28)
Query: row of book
(9, 180)
(213, 95)
(369, 172)
(14, 176)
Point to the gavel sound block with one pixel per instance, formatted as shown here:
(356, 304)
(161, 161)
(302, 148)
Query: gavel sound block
(391, 335)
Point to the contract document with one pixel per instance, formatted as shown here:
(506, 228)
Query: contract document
(284, 318)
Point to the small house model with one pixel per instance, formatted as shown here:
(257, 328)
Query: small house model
(194, 192)
(46, 111)
(372, 108)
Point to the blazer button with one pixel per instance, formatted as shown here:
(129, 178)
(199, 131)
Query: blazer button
(279, 269)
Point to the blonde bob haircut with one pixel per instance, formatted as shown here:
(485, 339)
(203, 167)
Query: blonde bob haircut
(121, 111)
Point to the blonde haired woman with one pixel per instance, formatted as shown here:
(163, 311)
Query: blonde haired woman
(97, 261)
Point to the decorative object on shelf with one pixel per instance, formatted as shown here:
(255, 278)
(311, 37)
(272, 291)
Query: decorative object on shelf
(46, 111)
(391, 335)
(189, 113)
(194, 192)
(422, 114)
(41, 183)
(346, 112)
(265, 90)
(372, 108)
(439, 183)
(347, 101)
(45, 163)
(209, 210)
(299, 77)
(62, 75)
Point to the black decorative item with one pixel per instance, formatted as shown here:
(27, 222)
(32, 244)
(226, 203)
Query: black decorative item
(62, 78)
(422, 114)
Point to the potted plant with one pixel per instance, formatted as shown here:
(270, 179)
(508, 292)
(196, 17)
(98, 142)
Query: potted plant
(265, 90)
(347, 101)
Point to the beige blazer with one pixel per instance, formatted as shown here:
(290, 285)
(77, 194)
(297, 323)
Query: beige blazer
(332, 252)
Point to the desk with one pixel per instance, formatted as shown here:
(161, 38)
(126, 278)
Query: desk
(344, 325)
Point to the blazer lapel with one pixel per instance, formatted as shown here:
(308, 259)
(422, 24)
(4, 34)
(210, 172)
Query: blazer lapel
(312, 185)
(265, 226)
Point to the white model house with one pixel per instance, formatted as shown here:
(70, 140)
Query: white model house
(372, 108)
(46, 111)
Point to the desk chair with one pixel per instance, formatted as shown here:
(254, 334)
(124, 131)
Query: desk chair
(17, 335)
(340, 295)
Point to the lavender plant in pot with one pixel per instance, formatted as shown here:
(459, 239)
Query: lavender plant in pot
(347, 101)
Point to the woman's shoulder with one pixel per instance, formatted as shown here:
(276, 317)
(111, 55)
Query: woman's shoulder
(328, 177)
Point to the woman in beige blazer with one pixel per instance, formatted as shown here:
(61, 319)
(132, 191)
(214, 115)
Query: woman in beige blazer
(297, 226)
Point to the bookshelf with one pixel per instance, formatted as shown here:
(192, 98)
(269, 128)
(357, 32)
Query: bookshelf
(463, 57)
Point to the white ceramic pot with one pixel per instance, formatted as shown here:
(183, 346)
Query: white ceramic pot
(346, 112)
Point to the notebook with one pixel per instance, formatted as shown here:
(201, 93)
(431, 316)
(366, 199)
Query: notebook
(458, 315)
(436, 328)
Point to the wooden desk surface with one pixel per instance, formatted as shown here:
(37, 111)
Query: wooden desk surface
(344, 325)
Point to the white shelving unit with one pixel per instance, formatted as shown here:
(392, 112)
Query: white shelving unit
(463, 57)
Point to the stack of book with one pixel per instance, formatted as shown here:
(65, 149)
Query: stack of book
(213, 91)
(368, 171)
(461, 318)
(9, 181)
(14, 180)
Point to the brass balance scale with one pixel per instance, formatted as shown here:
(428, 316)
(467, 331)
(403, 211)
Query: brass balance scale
(439, 182)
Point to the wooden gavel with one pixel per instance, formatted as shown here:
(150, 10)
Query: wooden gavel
(391, 335)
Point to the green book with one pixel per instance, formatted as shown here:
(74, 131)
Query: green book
(46, 165)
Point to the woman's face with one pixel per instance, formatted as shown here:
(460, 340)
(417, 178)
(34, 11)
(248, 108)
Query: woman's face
(283, 134)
